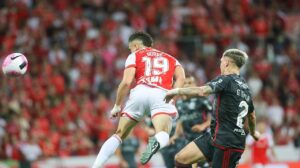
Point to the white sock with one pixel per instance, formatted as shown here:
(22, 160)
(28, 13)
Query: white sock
(163, 138)
(107, 149)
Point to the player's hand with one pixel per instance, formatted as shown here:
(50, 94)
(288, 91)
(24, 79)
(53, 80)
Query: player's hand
(198, 128)
(115, 111)
(172, 139)
(256, 135)
(170, 94)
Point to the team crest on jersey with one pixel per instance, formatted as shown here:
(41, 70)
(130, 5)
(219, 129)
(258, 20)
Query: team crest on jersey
(241, 84)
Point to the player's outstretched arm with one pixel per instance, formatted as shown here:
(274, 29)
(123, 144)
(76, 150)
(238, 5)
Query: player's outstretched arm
(123, 90)
(190, 91)
(252, 125)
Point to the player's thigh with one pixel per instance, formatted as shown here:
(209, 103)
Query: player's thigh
(162, 122)
(125, 126)
(162, 113)
(225, 158)
(189, 154)
(137, 104)
(157, 104)
(171, 150)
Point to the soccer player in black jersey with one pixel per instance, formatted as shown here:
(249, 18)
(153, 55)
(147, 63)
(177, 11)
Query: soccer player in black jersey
(194, 119)
(232, 105)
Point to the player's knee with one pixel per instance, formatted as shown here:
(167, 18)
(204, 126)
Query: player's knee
(165, 129)
(180, 159)
(180, 163)
(122, 133)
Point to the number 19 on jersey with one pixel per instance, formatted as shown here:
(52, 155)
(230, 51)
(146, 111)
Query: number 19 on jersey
(155, 65)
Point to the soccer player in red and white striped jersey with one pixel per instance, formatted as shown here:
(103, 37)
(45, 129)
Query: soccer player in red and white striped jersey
(153, 72)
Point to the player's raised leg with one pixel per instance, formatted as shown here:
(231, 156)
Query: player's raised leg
(110, 146)
(199, 149)
(188, 155)
(162, 125)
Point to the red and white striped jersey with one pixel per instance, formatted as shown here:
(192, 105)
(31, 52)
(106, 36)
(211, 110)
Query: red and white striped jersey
(153, 67)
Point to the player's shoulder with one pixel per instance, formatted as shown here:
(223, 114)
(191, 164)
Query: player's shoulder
(234, 78)
(164, 54)
(240, 81)
(131, 55)
(221, 79)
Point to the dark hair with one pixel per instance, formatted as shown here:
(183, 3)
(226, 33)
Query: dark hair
(239, 57)
(143, 36)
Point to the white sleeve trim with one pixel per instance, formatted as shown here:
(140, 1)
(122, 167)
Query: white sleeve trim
(131, 60)
(177, 63)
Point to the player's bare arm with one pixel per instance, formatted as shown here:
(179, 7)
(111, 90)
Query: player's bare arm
(123, 90)
(190, 91)
(179, 76)
(252, 125)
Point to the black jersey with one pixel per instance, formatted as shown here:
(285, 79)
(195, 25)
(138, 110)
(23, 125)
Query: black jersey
(231, 104)
(193, 111)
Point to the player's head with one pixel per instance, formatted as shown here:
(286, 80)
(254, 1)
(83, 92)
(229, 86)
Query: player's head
(233, 59)
(189, 81)
(139, 40)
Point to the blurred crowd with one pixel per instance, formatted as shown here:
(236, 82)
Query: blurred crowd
(77, 49)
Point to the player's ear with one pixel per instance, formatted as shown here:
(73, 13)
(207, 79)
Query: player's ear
(137, 46)
(226, 63)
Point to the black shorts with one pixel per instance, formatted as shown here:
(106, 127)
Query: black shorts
(220, 157)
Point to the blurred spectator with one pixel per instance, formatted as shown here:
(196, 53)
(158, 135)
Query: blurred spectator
(262, 150)
(255, 84)
(260, 107)
(275, 113)
(128, 151)
(31, 152)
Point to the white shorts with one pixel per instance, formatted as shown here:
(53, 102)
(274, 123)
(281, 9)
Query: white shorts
(144, 100)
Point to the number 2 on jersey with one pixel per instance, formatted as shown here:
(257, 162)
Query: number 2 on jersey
(155, 65)
(242, 114)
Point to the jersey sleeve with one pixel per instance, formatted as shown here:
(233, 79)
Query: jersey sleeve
(218, 84)
(177, 63)
(130, 61)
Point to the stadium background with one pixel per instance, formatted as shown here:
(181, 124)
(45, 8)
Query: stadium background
(77, 49)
